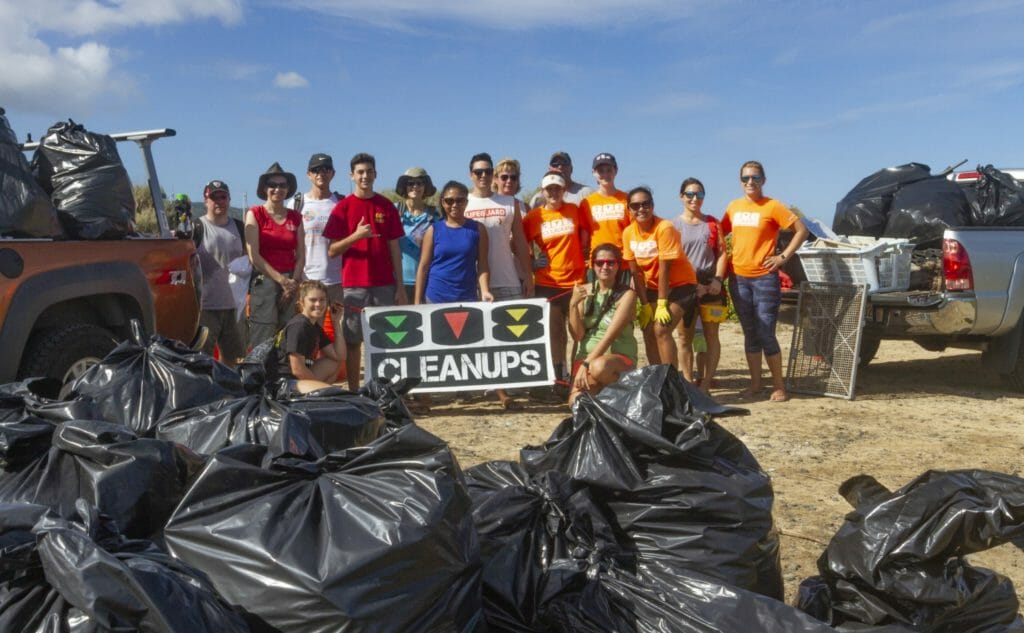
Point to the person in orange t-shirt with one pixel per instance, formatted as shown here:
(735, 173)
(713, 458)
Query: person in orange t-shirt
(605, 209)
(558, 230)
(655, 254)
(754, 221)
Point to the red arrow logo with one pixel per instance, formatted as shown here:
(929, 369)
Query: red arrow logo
(456, 321)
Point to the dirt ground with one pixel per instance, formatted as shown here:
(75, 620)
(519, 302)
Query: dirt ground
(915, 410)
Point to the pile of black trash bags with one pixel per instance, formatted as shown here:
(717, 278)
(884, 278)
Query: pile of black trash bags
(166, 493)
(75, 186)
(909, 202)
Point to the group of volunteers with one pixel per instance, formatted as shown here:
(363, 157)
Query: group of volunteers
(604, 260)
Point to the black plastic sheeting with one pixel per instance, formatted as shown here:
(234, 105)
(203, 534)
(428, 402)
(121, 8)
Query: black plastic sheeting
(921, 211)
(372, 539)
(81, 575)
(899, 557)
(997, 199)
(681, 489)
(552, 565)
(137, 482)
(865, 209)
(142, 381)
(25, 209)
(87, 182)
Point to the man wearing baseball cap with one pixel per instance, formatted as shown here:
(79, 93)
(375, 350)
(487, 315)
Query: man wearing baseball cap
(219, 239)
(315, 206)
(605, 209)
(574, 191)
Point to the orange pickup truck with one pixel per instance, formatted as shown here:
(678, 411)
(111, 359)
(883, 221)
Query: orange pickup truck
(65, 304)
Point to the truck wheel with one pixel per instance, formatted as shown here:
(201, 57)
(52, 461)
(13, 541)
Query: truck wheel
(868, 348)
(66, 353)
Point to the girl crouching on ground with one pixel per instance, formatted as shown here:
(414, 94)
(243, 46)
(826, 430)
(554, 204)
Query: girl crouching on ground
(298, 344)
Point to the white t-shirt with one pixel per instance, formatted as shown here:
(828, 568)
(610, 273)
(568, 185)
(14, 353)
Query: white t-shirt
(314, 218)
(497, 213)
(573, 195)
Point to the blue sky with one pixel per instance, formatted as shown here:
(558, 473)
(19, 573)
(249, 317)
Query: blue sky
(823, 93)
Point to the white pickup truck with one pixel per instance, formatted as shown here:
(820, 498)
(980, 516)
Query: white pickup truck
(976, 301)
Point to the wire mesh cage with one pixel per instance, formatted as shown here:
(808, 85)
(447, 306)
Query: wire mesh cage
(826, 339)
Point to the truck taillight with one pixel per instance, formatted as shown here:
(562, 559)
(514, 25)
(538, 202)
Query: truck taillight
(956, 266)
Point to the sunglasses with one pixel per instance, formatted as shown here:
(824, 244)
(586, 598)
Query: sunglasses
(480, 173)
(451, 202)
(754, 179)
(605, 263)
(694, 194)
(509, 177)
(414, 183)
(218, 196)
(641, 204)
(559, 163)
(322, 169)
(277, 185)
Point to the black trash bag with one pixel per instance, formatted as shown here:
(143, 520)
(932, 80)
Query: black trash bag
(682, 490)
(25, 209)
(675, 602)
(246, 420)
(372, 539)
(27, 420)
(865, 209)
(142, 381)
(87, 182)
(83, 575)
(388, 397)
(921, 211)
(137, 482)
(997, 199)
(899, 557)
(539, 537)
(339, 419)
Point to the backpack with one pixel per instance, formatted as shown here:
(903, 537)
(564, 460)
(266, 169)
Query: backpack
(298, 200)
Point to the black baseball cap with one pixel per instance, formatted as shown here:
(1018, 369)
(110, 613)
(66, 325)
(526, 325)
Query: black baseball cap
(320, 160)
(560, 158)
(604, 158)
(214, 186)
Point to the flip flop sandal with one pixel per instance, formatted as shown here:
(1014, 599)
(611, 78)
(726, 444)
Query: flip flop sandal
(511, 404)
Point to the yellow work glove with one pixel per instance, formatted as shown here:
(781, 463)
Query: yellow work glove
(662, 315)
(644, 314)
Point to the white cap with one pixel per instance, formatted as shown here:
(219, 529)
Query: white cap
(552, 179)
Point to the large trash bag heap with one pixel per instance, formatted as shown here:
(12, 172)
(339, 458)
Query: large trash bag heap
(899, 556)
(87, 182)
(909, 202)
(553, 564)
(323, 512)
(25, 209)
(81, 574)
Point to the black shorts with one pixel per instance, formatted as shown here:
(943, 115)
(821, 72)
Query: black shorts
(684, 296)
(548, 292)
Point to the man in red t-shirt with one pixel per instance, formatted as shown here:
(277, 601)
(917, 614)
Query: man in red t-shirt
(365, 227)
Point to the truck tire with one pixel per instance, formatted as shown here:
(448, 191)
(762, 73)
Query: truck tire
(66, 353)
(868, 348)
(1015, 379)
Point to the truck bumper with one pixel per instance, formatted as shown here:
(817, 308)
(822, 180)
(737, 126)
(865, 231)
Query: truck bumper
(922, 314)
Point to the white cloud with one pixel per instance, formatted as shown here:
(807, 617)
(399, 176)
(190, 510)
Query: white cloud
(501, 14)
(290, 79)
(56, 79)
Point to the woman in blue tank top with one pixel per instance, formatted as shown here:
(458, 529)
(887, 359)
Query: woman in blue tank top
(453, 259)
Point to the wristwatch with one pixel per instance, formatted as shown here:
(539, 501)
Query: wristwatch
(585, 363)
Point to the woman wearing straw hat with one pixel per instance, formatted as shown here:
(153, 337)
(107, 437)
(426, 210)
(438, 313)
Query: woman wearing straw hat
(414, 187)
(276, 244)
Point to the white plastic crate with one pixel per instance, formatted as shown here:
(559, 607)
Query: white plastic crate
(883, 264)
